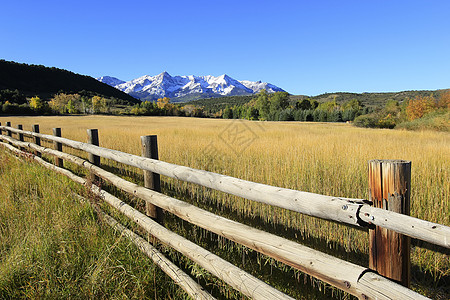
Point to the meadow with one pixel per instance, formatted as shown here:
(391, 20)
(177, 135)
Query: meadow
(324, 158)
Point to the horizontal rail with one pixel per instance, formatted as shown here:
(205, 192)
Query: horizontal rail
(342, 274)
(345, 210)
(229, 273)
(326, 207)
(430, 232)
(180, 278)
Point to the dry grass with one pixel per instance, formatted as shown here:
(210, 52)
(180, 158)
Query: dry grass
(327, 158)
(53, 247)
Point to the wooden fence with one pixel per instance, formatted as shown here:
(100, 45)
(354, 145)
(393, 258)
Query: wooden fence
(390, 225)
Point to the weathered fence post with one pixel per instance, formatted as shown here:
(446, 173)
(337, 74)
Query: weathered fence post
(37, 140)
(58, 146)
(390, 188)
(20, 135)
(20, 127)
(152, 180)
(8, 133)
(94, 159)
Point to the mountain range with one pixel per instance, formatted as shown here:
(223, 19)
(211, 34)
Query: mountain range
(187, 88)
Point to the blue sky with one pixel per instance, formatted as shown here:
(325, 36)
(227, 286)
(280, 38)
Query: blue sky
(304, 47)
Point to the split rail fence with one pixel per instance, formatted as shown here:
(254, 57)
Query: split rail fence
(386, 214)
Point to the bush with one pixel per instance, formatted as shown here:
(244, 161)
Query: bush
(388, 121)
(16, 109)
(367, 121)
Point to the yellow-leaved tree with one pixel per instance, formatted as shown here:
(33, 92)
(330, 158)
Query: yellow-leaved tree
(99, 104)
(444, 100)
(420, 106)
(36, 104)
(163, 103)
(63, 103)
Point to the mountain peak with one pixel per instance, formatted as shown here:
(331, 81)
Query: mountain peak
(109, 80)
(178, 88)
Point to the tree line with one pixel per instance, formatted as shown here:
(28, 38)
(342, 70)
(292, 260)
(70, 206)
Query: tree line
(278, 107)
(263, 106)
(15, 103)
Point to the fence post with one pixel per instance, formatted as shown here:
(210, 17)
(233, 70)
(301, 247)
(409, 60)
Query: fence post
(37, 140)
(94, 159)
(20, 135)
(390, 189)
(8, 133)
(58, 146)
(152, 180)
(20, 127)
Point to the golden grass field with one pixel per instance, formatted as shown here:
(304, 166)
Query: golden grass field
(324, 158)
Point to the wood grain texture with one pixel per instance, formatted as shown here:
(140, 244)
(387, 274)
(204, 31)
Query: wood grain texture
(389, 189)
(152, 180)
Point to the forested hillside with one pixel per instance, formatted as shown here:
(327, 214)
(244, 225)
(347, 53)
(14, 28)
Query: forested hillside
(37, 80)
(373, 100)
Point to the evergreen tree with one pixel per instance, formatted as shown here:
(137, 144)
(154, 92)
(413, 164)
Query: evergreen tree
(308, 115)
(263, 105)
(227, 113)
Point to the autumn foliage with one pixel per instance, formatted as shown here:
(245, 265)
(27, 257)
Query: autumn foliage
(420, 106)
(444, 101)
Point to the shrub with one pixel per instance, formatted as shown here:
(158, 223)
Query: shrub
(368, 121)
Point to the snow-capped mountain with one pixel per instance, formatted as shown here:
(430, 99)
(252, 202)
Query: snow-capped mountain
(112, 81)
(185, 88)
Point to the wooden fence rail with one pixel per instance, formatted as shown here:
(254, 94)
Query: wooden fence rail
(357, 212)
(351, 278)
(194, 289)
(232, 275)
(354, 279)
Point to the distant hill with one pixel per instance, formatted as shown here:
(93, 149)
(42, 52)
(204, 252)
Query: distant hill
(373, 99)
(38, 80)
(367, 99)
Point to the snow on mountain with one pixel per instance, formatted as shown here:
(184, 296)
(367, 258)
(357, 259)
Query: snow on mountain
(186, 87)
(112, 81)
(257, 86)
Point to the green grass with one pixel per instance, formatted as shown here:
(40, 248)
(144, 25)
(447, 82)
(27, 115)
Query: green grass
(53, 247)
